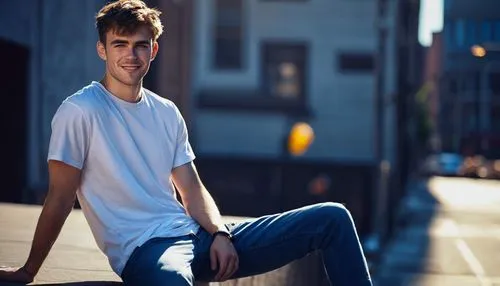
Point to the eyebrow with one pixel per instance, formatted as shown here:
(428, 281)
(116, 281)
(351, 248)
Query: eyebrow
(118, 41)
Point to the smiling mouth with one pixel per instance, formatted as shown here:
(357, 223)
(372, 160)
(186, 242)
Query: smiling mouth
(131, 68)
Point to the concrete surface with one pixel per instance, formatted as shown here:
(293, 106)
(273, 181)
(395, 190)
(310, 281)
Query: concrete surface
(76, 260)
(450, 235)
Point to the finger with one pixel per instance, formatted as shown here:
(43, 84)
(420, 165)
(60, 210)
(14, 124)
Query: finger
(236, 264)
(230, 268)
(222, 268)
(213, 260)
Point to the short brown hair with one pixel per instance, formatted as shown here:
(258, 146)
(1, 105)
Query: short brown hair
(125, 16)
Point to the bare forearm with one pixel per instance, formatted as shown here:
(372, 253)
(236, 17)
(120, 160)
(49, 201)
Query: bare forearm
(201, 206)
(50, 222)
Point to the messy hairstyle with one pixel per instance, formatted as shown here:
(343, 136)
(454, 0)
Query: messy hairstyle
(124, 17)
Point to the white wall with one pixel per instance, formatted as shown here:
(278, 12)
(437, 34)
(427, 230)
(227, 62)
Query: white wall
(342, 104)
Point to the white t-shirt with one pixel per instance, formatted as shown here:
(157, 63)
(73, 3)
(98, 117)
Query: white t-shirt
(126, 152)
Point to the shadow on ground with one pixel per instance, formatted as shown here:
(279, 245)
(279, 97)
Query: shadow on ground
(410, 248)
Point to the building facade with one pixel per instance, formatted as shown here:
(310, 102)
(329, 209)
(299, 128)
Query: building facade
(49, 50)
(261, 66)
(242, 73)
(470, 93)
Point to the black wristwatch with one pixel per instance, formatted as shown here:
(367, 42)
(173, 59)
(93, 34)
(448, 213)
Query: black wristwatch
(223, 233)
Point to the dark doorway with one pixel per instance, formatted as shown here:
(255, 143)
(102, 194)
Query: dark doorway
(13, 116)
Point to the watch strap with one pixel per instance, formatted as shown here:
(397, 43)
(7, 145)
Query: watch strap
(223, 233)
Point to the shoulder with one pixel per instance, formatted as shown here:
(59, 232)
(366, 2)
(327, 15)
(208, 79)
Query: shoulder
(162, 103)
(86, 100)
(81, 103)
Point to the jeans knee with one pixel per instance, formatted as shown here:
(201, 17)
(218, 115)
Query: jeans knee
(334, 211)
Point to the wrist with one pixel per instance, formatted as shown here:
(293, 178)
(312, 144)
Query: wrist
(222, 233)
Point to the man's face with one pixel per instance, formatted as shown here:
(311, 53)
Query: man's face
(128, 57)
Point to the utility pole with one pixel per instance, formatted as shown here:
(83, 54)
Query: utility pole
(373, 243)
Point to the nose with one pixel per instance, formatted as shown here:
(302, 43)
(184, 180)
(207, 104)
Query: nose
(131, 53)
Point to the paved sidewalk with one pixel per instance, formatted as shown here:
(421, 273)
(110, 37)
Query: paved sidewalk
(449, 235)
(82, 261)
(75, 259)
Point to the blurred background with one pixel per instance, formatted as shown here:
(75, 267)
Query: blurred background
(386, 88)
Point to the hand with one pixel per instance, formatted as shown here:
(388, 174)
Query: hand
(222, 252)
(19, 275)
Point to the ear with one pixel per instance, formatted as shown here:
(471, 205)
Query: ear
(101, 50)
(155, 50)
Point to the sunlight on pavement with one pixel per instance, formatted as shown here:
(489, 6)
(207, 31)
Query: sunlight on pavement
(465, 193)
(471, 196)
(449, 236)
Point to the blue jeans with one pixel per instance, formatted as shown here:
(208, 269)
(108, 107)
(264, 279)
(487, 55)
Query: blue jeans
(263, 244)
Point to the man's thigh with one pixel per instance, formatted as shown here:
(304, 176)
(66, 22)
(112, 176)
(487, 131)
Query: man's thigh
(161, 261)
(266, 243)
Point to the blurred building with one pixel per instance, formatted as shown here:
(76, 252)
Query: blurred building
(49, 53)
(261, 66)
(470, 90)
(432, 74)
(398, 78)
(49, 49)
(348, 68)
(242, 73)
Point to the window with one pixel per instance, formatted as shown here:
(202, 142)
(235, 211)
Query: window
(356, 62)
(282, 88)
(470, 117)
(460, 33)
(486, 31)
(471, 34)
(449, 33)
(453, 86)
(494, 84)
(476, 80)
(228, 34)
(284, 69)
(496, 32)
(495, 117)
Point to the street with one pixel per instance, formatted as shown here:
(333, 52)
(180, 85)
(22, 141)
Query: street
(449, 235)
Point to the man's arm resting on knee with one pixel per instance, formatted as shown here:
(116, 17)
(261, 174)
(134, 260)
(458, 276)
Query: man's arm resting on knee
(195, 197)
(201, 206)
(64, 180)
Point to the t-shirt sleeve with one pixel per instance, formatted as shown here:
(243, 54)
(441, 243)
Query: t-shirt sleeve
(183, 151)
(69, 140)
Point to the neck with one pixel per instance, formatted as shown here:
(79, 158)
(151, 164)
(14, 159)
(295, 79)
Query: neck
(129, 93)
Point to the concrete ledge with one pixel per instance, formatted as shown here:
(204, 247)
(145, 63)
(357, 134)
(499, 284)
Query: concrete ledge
(76, 260)
(304, 272)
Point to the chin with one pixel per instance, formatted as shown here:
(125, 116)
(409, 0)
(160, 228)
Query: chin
(131, 81)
